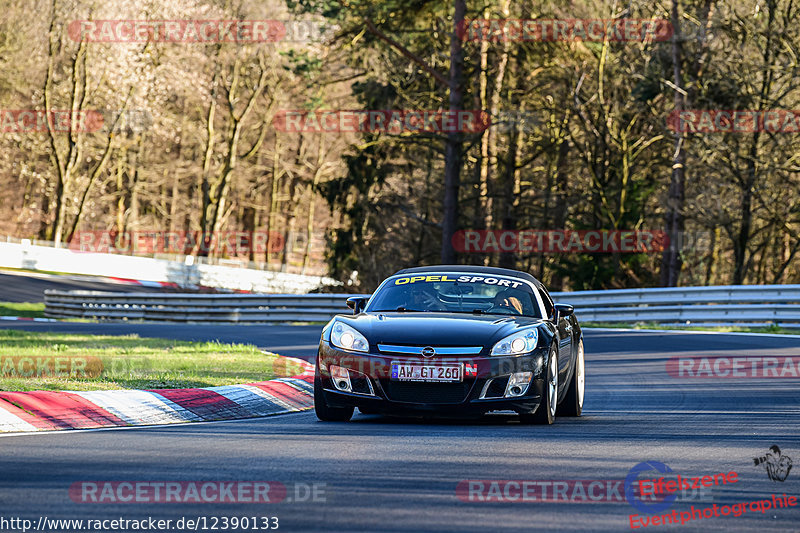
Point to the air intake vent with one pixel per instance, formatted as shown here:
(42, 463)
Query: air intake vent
(496, 388)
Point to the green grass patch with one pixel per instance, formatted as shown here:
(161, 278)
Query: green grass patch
(34, 271)
(58, 361)
(26, 309)
(725, 329)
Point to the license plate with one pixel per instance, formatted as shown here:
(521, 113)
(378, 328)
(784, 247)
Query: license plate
(445, 372)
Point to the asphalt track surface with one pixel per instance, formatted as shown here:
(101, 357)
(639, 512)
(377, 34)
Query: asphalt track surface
(30, 287)
(383, 474)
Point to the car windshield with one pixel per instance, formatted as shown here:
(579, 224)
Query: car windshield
(456, 293)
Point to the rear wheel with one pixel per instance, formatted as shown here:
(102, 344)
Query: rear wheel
(546, 412)
(573, 403)
(323, 410)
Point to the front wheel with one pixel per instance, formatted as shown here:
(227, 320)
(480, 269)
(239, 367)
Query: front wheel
(573, 403)
(545, 414)
(324, 411)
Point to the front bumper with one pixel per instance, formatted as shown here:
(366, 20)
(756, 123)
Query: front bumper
(481, 391)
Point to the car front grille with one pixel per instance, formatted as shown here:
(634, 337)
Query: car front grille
(412, 392)
(440, 350)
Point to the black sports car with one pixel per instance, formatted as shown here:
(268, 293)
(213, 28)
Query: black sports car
(452, 341)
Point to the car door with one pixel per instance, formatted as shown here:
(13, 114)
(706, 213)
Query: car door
(564, 330)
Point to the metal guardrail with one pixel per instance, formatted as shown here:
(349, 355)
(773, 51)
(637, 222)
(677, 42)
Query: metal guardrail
(184, 307)
(778, 304)
(743, 304)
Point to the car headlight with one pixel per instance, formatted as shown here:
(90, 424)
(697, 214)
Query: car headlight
(520, 342)
(347, 338)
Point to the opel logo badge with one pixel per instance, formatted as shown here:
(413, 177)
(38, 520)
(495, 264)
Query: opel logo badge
(428, 351)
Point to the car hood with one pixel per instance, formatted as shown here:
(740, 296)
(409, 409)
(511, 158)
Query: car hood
(436, 329)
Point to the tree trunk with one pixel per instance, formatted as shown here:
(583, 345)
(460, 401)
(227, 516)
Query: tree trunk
(746, 213)
(453, 148)
(275, 181)
(133, 174)
(483, 218)
(510, 195)
(751, 172)
(674, 219)
(510, 177)
(97, 170)
(121, 188)
(560, 209)
(64, 164)
(312, 196)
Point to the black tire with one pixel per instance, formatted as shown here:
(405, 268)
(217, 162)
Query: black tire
(573, 403)
(545, 414)
(324, 411)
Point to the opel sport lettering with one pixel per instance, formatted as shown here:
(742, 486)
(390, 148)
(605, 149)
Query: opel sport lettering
(461, 279)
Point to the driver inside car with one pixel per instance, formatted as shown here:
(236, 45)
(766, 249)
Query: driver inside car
(424, 298)
(507, 301)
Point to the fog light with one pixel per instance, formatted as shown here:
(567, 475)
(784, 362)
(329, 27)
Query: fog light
(518, 384)
(341, 378)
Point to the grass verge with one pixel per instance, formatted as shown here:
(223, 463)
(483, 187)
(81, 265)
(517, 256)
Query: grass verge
(57, 361)
(26, 309)
(33, 271)
(724, 329)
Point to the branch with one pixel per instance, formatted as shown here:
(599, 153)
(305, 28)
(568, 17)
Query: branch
(100, 165)
(438, 76)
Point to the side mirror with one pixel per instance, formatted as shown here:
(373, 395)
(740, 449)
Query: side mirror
(356, 303)
(563, 310)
